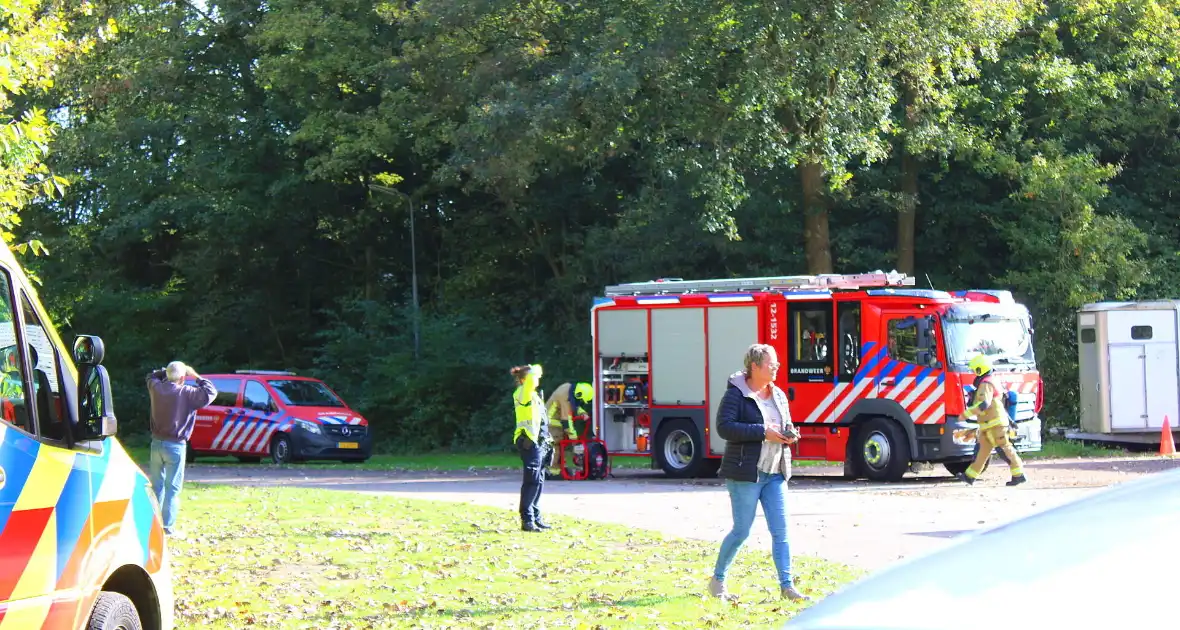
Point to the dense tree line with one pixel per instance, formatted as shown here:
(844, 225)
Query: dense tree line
(243, 175)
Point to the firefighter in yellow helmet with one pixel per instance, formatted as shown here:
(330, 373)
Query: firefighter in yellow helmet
(566, 402)
(532, 441)
(988, 406)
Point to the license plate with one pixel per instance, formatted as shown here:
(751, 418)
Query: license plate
(347, 445)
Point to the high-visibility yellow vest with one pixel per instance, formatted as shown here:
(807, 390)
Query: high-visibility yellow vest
(530, 409)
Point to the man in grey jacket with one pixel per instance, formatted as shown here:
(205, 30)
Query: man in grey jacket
(174, 410)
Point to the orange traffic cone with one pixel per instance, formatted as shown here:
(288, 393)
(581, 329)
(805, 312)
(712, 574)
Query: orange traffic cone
(1167, 446)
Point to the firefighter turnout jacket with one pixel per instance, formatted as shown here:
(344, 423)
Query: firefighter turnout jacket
(566, 402)
(988, 405)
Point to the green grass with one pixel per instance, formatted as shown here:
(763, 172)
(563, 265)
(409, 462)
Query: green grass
(302, 558)
(1053, 448)
(1057, 448)
(441, 461)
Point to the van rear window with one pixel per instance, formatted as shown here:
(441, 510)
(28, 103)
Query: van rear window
(227, 391)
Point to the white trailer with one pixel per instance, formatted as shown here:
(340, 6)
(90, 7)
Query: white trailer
(1128, 371)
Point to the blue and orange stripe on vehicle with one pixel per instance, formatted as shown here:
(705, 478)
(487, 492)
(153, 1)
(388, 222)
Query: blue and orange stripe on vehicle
(60, 511)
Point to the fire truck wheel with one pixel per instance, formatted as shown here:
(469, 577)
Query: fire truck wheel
(190, 455)
(678, 449)
(113, 611)
(884, 453)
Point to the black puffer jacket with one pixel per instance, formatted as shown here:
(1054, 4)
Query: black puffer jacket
(740, 424)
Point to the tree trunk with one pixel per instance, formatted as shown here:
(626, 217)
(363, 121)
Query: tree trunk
(907, 215)
(817, 245)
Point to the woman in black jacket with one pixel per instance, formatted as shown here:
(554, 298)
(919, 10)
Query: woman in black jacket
(755, 421)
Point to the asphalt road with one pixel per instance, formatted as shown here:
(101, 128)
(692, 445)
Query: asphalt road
(860, 523)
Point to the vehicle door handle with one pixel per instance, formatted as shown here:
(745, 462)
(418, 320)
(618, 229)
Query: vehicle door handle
(887, 382)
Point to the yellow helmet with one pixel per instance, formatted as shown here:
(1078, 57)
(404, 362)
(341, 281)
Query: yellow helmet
(584, 392)
(980, 364)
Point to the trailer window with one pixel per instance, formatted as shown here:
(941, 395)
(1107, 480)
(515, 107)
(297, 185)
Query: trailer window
(810, 342)
(1088, 335)
(1140, 332)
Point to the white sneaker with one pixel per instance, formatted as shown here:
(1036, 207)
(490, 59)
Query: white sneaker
(790, 593)
(717, 589)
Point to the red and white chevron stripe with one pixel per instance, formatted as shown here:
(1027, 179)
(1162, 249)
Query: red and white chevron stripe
(923, 400)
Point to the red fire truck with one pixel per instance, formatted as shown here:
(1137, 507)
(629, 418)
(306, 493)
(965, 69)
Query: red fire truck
(876, 370)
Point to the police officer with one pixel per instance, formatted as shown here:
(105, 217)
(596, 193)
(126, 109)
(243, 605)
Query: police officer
(564, 404)
(532, 441)
(993, 423)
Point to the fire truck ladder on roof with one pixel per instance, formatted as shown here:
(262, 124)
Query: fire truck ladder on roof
(770, 283)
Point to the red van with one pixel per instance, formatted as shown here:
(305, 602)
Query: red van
(282, 415)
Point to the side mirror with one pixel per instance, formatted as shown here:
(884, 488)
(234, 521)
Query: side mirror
(96, 411)
(88, 350)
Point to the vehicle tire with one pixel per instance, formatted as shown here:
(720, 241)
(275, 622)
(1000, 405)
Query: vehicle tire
(679, 450)
(280, 449)
(957, 468)
(248, 459)
(190, 455)
(884, 452)
(113, 611)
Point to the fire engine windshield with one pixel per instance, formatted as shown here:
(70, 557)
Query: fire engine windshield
(1005, 338)
(306, 394)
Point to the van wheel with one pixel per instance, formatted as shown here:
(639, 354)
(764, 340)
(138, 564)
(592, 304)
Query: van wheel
(280, 450)
(113, 611)
(190, 455)
(679, 450)
(883, 453)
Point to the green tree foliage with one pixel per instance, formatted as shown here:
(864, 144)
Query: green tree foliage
(245, 174)
(34, 40)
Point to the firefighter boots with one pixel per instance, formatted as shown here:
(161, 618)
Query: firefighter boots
(1017, 480)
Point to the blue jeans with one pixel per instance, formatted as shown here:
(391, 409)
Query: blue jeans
(167, 476)
(744, 497)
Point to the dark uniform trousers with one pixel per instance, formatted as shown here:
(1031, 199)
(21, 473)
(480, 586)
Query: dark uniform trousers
(532, 455)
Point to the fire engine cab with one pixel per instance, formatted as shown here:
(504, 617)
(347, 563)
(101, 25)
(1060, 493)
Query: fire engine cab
(875, 370)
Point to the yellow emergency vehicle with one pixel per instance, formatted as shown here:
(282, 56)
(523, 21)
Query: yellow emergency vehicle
(81, 540)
